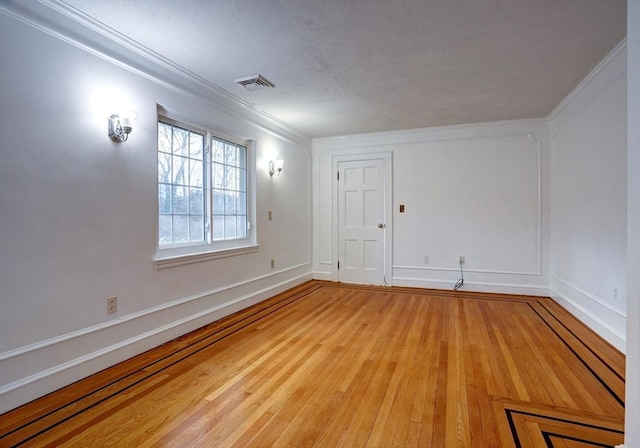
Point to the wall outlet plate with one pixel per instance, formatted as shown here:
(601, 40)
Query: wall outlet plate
(112, 304)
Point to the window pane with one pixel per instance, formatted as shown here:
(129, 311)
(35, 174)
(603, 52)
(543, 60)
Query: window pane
(180, 141)
(180, 229)
(196, 201)
(181, 194)
(231, 155)
(164, 229)
(217, 151)
(196, 228)
(217, 175)
(196, 145)
(242, 204)
(164, 137)
(241, 227)
(230, 204)
(218, 227)
(242, 157)
(180, 201)
(231, 178)
(180, 166)
(218, 202)
(229, 227)
(164, 199)
(242, 180)
(195, 176)
(164, 168)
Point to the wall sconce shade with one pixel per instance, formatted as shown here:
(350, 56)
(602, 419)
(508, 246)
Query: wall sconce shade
(275, 167)
(120, 126)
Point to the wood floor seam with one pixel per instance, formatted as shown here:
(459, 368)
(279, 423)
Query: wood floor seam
(130, 374)
(328, 364)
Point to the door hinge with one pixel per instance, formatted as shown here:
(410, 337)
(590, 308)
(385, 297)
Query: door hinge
(338, 175)
(338, 265)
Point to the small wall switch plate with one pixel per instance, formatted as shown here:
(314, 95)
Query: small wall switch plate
(270, 215)
(461, 259)
(273, 263)
(426, 259)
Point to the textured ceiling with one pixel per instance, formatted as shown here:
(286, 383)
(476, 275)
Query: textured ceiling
(353, 66)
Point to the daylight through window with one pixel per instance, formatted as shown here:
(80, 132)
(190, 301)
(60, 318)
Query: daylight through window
(202, 187)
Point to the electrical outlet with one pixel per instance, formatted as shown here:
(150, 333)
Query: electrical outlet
(112, 304)
(461, 259)
(426, 259)
(273, 263)
(270, 215)
(615, 293)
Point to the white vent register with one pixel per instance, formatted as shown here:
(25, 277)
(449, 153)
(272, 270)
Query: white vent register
(255, 82)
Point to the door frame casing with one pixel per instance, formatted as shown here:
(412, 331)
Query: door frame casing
(387, 159)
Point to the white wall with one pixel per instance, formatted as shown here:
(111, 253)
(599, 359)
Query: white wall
(477, 190)
(589, 202)
(78, 212)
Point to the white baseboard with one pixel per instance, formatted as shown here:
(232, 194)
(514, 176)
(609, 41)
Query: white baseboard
(318, 275)
(609, 323)
(44, 367)
(529, 290)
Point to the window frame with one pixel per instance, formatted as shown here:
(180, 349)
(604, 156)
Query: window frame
(176, 254)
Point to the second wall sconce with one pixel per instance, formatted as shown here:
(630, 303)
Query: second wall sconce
(275, 167)
(120, 126)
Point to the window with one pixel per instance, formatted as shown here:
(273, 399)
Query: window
(229, 190)
(203, 195)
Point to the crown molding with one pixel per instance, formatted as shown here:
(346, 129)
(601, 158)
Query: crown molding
(608, 70)
(68, 24)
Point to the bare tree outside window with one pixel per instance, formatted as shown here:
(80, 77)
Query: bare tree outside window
(202, 187)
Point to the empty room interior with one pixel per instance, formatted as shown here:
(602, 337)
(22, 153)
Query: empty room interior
(320, 223)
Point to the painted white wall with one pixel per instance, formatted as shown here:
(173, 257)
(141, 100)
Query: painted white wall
(474, 190)
(589, 201)
(78, 212)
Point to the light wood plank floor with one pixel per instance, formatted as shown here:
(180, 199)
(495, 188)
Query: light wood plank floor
(335, 365)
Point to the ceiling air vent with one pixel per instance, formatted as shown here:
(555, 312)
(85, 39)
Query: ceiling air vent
(254, 82)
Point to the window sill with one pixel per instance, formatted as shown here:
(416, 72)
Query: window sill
(161, 262)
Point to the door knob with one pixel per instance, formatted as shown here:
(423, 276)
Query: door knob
(380, 226)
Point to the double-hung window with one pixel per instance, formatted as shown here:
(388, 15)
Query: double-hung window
(204, 195)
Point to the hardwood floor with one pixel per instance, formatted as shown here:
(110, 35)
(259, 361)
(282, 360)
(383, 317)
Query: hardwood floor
(334, 365)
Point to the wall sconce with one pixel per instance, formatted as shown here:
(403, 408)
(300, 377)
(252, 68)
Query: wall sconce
(120, 126)
(275, 167)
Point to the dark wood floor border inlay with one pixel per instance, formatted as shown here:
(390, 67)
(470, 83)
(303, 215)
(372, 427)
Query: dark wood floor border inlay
(79, 404)
(529, 300)
(548, 435)
(620, 400)
(537, 422)
(208, 339)
(614, 371)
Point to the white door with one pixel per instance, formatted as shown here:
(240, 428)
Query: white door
(362, 226)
